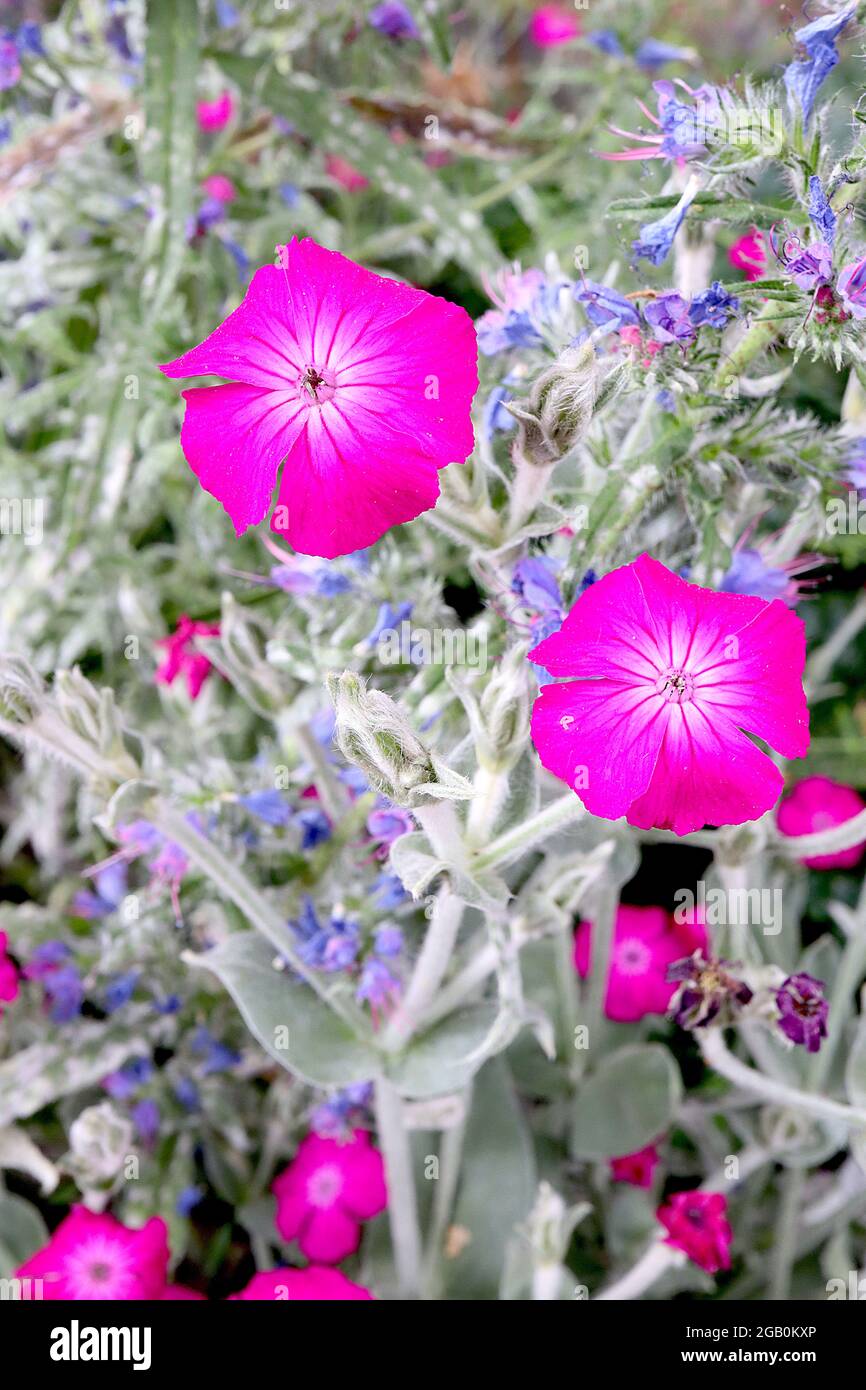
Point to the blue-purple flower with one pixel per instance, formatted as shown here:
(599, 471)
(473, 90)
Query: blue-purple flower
(713, 307)
(656, 238)
(606, 307)
(851, 288)
(821, 212)
(669, 317)
(331, 946)
(269, 806)
(394, 20)
(817, 57)
(654, 53)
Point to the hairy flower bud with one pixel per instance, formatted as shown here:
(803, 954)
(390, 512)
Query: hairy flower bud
(374, 734)
(100, 1139)
(499, 716)
(558, 411)
(21, 690)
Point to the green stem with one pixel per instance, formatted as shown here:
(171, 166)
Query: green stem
(761, 334)
(430, 967)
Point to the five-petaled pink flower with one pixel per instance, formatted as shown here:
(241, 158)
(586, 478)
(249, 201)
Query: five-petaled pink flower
(645, 942)
(182, 658)
(636, 1169)
(213, 115)
(363, 385)
(697, 1224)
(668, 680)
(316, 1283)
(552, 25)
(819, 803)
(8, 975)
(94, 1256)
(327, 1191)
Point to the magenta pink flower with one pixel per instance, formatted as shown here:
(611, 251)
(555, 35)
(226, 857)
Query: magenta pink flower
(327, 1191)
(182, 657)
(552, 25)
(93, 1256)
(645, 942)
(636, 1169)
(749, 254)
(213, 115)
(345, 174)
(668, 678)
(363, 385)
(819, 803)
(8, 975)
(220, 187)
(313, 1284)
(697, 1224)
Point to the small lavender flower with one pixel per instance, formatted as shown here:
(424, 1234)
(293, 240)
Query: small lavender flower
(187, 1093)
(803, 1010)
(654, 53)
(808, 266)
(750, 574)
(534, 580)
(706, 992)
(855, 469)
(332, 947)
(816, 45)
(10, 65)
(656, 238)
(668, 315)
(290, 194)
(387, 823)
(713, 307)
(120, 990)
(388, 892)
(495, 416)
(388, 941)
(821, 212)
(109, 885)
(124, 1083)
(606, 41)
(851, 288)
(145, 1116)
(377, 985)
(269, 806)
(226, 14)
(314, 826)
(388, 619)
(606, 307)
(217, 1056)
(340, 1113)
(187, 1199)
(394, 20)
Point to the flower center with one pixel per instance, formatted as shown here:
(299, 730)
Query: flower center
(677, 687)
(325, 1186)
(317, 384)
(100, 1273)
(633, 957)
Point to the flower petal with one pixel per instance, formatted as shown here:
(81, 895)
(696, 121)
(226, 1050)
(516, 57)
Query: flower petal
(344, 485)
(708, 773)
(233, 439)
(602, 738)
(256, 344)
(609, 632)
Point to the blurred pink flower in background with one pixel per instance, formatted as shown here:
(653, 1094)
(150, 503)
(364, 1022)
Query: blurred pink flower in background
(346, 175)
(214, 115)
(749, 254)
(697, 1224)
(819, 803)
(181, 656)
(646, 941)
(8, 975)
(552, 25)
(220, 187)
(636, 1169)
(327, 1190)
(313, 1283)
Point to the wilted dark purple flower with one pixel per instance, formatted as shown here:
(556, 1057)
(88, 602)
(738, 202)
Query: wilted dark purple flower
(817, 57)
(706, 991)
(803, 1010)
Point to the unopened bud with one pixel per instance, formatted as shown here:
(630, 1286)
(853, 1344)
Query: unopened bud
(558, 411)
